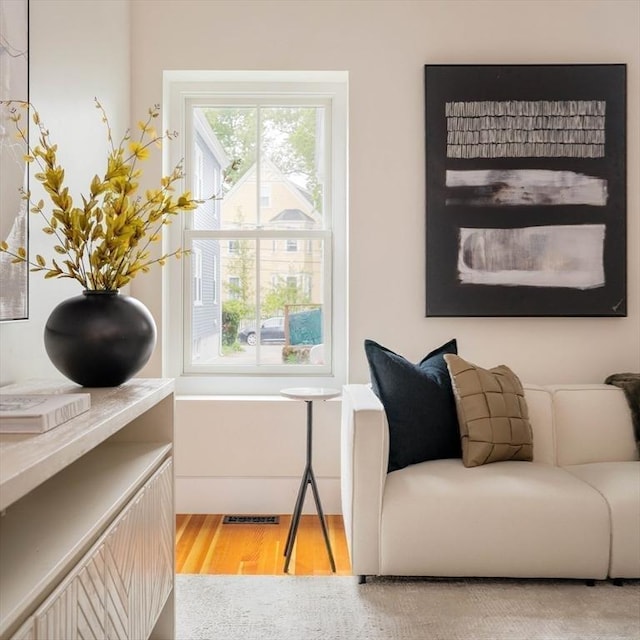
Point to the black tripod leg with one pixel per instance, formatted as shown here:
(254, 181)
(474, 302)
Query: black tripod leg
(299, 500)
(316, 496)
(295, 520)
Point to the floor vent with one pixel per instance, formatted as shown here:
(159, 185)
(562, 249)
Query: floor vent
(251, 520)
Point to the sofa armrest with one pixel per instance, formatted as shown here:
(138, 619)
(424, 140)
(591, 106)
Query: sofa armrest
(364, 459)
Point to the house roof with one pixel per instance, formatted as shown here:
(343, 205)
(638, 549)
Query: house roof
(268, 165)
(292, 215)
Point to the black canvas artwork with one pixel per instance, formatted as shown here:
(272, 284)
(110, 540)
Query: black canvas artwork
(526, 190)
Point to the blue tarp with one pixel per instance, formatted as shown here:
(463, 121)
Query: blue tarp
(305, 327)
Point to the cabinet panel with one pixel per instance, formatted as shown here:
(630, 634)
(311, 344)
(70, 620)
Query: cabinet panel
(124, 575)
(140, 546)
(75, 611)
(26, 632)
(110, 593)
(160, 521)
(119, 589)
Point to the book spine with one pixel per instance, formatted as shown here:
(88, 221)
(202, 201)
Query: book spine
(65, 413)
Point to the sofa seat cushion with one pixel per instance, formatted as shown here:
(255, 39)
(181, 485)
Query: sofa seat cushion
(619, 483)
(507, 519)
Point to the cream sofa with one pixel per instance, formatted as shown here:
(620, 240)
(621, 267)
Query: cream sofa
(573, 512)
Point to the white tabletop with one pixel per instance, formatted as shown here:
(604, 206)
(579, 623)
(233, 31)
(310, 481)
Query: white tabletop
(310, 393)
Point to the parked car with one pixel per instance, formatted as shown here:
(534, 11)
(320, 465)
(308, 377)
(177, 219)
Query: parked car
(271, 331)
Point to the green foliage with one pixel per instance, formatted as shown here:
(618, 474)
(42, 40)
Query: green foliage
(281, 295)
(232, 312)
(288, 136)
(236, 130)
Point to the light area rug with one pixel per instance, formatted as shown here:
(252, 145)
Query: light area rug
(213, 607)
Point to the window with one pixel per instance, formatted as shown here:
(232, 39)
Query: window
(281, 224)
(265, 195)
(234, 288)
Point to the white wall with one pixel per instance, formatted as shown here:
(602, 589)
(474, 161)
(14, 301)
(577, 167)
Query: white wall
(383, 45)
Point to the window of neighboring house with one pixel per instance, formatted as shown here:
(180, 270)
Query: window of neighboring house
(196, 257)
(265, 195)
(288, 132)
(234, 288)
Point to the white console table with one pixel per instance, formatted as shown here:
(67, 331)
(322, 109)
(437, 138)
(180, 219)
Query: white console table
(87, 523)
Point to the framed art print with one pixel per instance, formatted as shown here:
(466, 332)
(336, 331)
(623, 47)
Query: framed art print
(526, 190)
(14, 224)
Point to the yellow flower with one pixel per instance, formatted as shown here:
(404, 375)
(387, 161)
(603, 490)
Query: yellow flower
(105, 241)
(138, 150)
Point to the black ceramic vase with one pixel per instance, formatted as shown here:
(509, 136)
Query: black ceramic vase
(100, 338)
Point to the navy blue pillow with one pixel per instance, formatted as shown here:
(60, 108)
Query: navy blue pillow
(419, 403)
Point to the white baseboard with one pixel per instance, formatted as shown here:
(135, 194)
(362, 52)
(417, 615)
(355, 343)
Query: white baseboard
(256, 496)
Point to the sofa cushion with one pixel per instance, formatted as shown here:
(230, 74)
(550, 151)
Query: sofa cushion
(492, 413)
(592, 424)
(619, 484)
(418, 401)
(509, 519)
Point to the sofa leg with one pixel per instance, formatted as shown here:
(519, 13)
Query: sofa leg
(362, 579)
(618, 582)
(590, 582)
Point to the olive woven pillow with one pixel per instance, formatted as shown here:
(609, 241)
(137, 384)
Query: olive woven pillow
(492, 413)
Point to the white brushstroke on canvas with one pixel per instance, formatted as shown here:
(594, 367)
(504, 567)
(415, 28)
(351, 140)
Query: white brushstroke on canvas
(525, 187)
(548, 256)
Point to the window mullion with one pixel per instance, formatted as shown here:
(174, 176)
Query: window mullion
(258, 258)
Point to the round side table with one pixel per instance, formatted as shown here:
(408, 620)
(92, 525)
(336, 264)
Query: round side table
(308, 394)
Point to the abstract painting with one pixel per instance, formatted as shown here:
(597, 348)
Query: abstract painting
(526, 190)
(14, 85)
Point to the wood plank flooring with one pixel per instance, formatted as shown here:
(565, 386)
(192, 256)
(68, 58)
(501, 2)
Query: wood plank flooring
(205, 545)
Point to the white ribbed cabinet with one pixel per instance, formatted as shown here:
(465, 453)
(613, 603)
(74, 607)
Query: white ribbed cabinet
(87, 527)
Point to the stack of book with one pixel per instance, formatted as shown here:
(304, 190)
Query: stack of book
(37, 413)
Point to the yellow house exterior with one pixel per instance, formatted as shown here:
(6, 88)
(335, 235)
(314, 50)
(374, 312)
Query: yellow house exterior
(280, 205)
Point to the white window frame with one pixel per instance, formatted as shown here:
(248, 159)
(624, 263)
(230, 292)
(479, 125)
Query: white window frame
(196, 256)
(181, 87)
(198, 181)
(216, 285)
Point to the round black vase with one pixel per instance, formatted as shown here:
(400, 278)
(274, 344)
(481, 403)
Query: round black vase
(100, 338)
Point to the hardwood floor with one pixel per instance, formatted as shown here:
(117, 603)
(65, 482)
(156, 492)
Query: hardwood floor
(205, 545)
